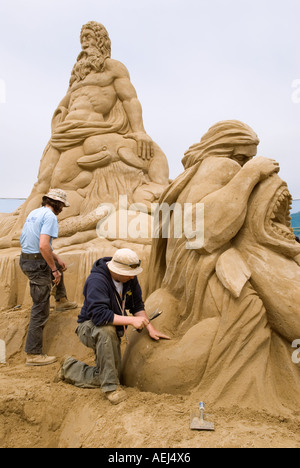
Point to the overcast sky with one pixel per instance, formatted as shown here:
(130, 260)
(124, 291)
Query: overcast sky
(192, 63)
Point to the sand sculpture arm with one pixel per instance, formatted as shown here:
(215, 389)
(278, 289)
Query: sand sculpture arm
(132, 106)
(226, 208)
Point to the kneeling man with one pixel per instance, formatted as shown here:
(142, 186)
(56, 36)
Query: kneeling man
(111, 288)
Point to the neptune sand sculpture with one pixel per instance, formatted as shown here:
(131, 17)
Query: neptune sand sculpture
(231, 304)
(98, 149)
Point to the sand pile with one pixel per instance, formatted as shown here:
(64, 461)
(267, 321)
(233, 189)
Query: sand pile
(36, 412)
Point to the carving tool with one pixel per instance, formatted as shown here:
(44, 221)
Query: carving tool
(153, 316)
(199, 422)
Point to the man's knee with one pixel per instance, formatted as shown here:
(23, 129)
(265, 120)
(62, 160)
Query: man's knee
(105, 332)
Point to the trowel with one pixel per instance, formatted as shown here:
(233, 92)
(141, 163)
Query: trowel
(199, 422)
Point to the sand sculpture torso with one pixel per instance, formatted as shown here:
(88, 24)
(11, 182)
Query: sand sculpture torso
(232, 305)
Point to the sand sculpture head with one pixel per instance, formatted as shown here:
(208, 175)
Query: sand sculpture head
(268, 220)
(96, 48)
(229, 138)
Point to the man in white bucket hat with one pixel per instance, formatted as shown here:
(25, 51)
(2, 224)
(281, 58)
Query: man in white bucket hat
(42, 266)
(110, 290)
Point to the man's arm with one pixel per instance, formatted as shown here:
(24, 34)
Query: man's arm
(46, 251)
(137, 321)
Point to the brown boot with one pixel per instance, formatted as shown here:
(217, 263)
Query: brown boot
(39, 360)
(116, 396)
(64, 304)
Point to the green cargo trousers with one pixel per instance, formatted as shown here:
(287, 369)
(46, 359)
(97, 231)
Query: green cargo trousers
(106, 345)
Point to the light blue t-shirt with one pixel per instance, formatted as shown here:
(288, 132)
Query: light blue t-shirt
(39, 221)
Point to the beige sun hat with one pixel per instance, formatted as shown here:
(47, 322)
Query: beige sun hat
(125, 262)
(59, 195)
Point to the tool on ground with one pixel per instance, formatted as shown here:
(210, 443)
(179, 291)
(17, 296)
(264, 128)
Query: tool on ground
(199, 422)
(153, 316)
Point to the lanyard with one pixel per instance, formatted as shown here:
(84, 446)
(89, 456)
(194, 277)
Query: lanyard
(122, 309)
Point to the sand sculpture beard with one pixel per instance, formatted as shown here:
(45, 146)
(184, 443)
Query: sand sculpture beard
(89, 60)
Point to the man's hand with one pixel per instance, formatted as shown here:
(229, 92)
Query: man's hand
(155, 334)
(139, 322)
(61, 263)
(145, 148)
(57, 277)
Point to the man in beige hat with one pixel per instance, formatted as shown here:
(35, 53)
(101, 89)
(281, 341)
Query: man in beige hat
(42, 266)
(110, 290)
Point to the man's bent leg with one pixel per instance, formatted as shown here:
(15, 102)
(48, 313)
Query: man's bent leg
(61, 301)
(60, 288)
(80, 374)
(106, 345)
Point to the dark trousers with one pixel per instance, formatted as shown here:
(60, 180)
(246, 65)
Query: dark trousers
(40, 279)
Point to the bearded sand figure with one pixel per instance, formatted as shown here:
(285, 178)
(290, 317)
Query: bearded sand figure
(231, 305)
(99, 148)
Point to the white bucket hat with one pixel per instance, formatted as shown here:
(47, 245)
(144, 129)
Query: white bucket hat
(125, 262)
(59, 195)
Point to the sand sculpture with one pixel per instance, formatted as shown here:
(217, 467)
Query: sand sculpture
(99, 153)
(231, 305)
(98, 149)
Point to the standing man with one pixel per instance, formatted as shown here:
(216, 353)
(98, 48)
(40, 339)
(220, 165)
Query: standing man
(42, 266)
(111, 288)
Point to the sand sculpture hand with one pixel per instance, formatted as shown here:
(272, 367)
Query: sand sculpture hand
(144, 144)
(264, 166)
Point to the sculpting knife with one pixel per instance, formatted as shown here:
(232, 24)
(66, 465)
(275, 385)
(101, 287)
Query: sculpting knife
(155, 314)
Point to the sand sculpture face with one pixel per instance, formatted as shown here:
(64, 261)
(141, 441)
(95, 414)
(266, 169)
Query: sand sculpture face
(269, 219)
(267, 244)
(232, 310)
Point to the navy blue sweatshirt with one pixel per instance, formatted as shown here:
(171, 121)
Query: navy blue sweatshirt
(102, 300)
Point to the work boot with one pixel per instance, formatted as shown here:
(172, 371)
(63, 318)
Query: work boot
(116, 396)
(64, 304)
(39, 360)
